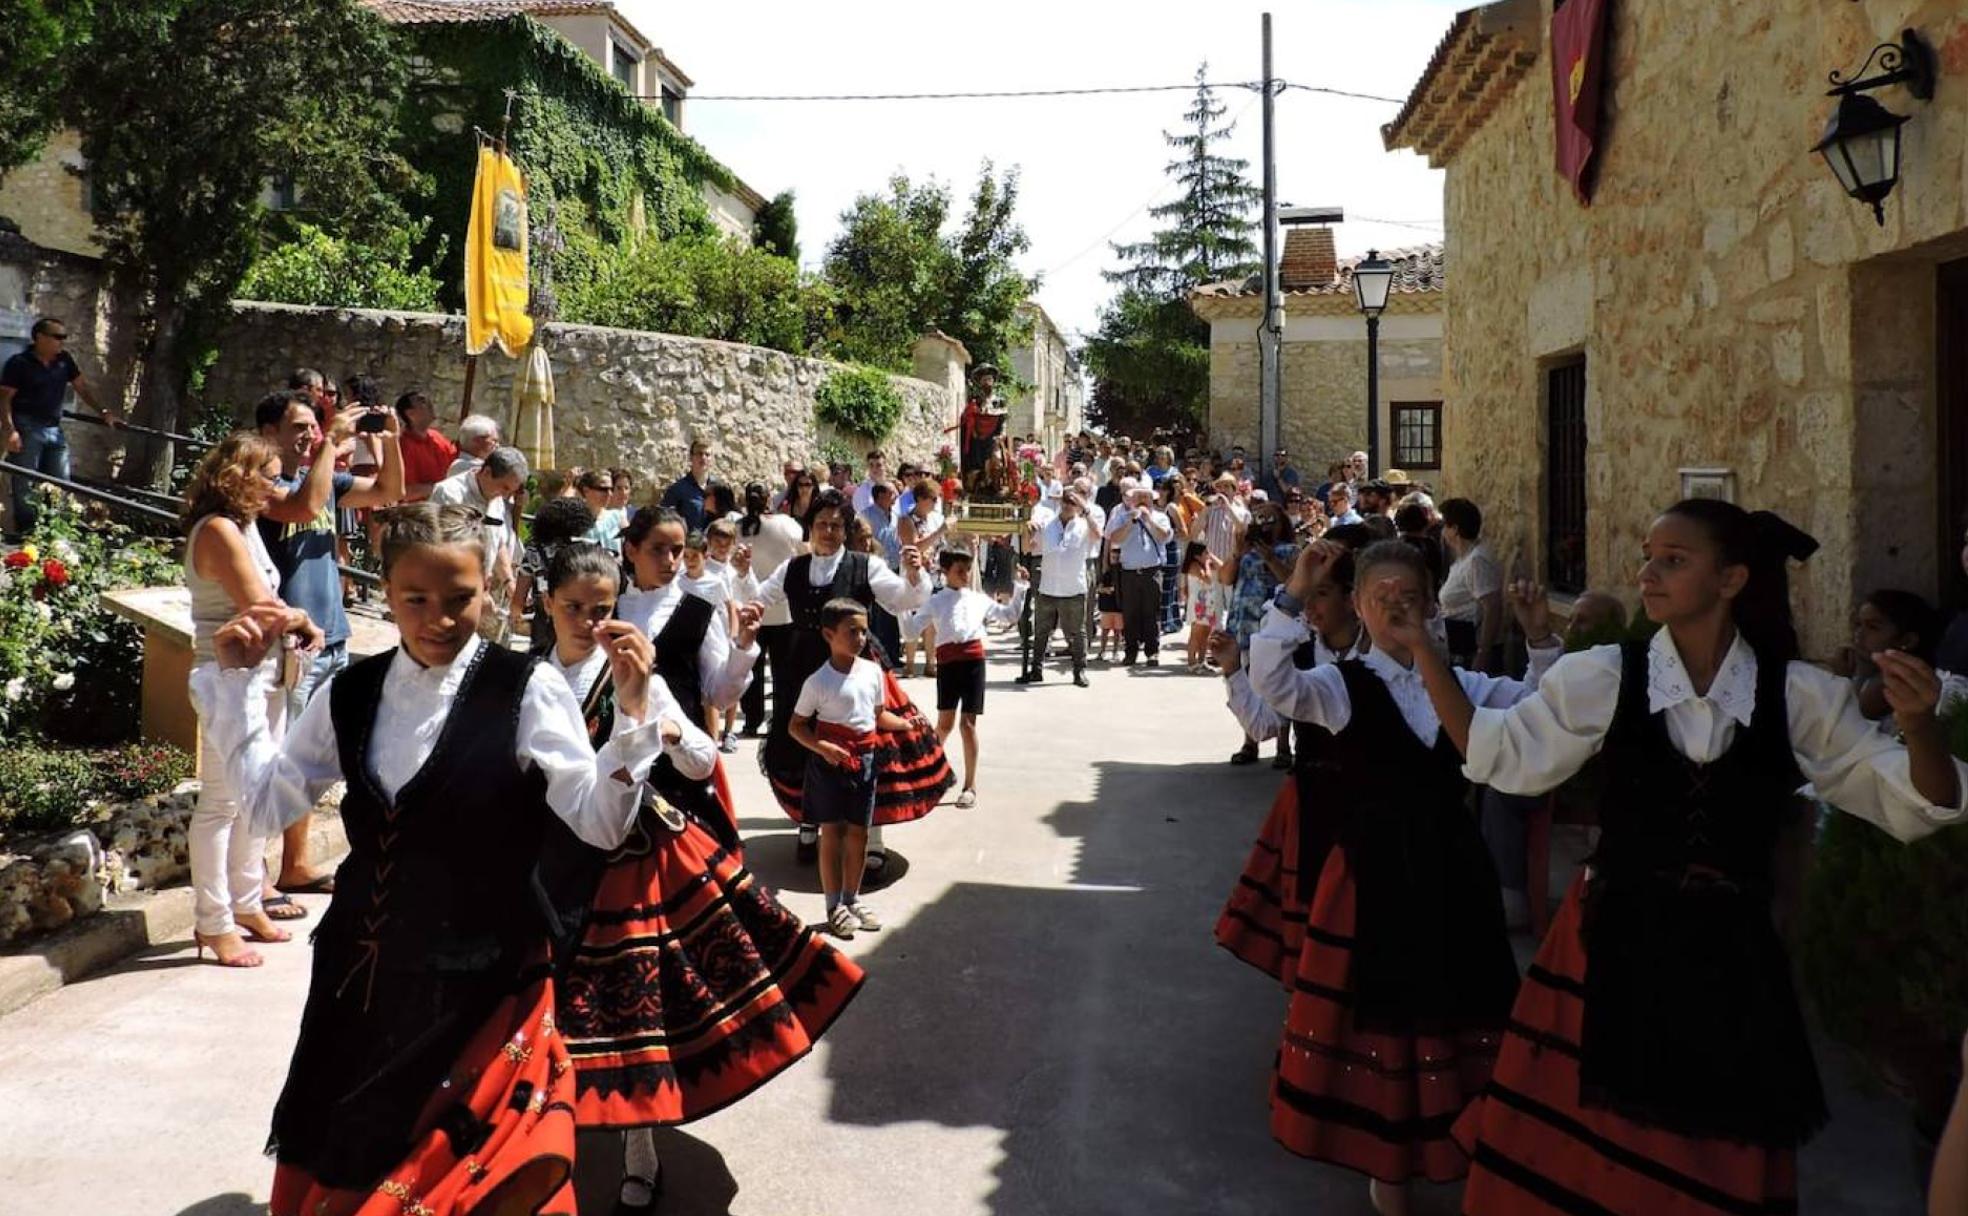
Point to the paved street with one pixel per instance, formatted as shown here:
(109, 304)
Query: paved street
(1047, 1027)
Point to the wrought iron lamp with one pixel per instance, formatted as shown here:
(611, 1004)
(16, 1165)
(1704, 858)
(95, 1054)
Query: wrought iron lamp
(1861, 143)
(1372, 280)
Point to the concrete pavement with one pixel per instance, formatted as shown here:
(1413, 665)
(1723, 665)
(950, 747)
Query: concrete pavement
(1047, 1028)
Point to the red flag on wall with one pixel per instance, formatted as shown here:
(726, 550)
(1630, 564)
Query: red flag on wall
(1578, 66)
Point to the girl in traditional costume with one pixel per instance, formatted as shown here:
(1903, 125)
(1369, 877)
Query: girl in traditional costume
(1657, 1060)
(429, 1074)
(691, 985)
(1406, 976)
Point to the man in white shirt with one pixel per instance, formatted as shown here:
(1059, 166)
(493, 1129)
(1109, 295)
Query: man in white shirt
(485, 489)
(1140, 533)
(864, 492)
(1339, 505)
(478, 437)
(1066, 544)
(1472, 595)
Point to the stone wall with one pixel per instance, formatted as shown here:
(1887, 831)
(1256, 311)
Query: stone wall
(1324, 386)
(103, 334)
(1735, 308)
(625, 398)
(46, 197)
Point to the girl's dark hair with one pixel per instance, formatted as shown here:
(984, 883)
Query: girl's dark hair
(1411, 518)
(1354, 536)
(583, 560)
(1394, 553)
(1762, 542)
(1194, 553)
(561, 520)
(828, 499)
(1343, 570)
(644, 522)
(420, 525)
(1910, 613)
(1464, 516)
(756, 501)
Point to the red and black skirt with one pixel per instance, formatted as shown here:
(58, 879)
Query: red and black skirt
(1379, 1103)
(1264, 921)
(1537, 1150)
(691, 986)
(911, 772)
(508, 1146)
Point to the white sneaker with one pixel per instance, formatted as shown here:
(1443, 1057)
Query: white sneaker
(967, 799)
(841, 922)
(864, 916)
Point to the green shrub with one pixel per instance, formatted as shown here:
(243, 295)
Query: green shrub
(1885, 933)
(318, 268)
(139, 770)
(696, 286)
(859, 400)
(45, 789)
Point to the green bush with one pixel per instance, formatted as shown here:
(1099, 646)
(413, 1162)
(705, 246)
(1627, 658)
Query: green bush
(324, 270)
(43, 789)
(859, 400)
(139, 770)
(1885, 933)
(697, 286)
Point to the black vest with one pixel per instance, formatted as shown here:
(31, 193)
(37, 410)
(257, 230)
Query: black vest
(1691, 1020)
(1316, 773)
(1430, 953)
(679, 644)
(782, 757)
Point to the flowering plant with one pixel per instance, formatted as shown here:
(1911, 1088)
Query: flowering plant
(946, 461)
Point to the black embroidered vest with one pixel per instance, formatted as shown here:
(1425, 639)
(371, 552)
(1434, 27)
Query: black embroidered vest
(782, 758)
(1316, 773)
(678, 646)
(1691, 1021)
(1430, 953)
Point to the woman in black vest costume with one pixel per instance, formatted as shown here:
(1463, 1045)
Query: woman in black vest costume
(429, 1067)
(912, 774)
(691, 985)
(696, 656)
(1657, 1059)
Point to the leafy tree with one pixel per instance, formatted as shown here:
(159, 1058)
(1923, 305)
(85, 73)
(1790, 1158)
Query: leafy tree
(38, 39)
(319, 268)
(707, 287)
(776, 229)
(1150, 356)
(257, 90)
(896, 272)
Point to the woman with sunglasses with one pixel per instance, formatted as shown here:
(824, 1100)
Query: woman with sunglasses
(799, 502)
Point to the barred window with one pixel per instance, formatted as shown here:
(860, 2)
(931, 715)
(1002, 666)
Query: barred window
(1417, 434)
(1564, 477)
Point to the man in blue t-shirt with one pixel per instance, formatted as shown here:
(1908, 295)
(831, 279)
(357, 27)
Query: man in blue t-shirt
(298, 527)
(686, 494)
(33, 384)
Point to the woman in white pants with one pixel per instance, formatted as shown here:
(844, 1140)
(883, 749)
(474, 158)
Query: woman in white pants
(227, 569)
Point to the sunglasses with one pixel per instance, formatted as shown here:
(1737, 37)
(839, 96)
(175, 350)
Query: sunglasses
(61, 337)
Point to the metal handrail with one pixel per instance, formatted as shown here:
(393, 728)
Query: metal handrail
(133, 428)
(95, 494)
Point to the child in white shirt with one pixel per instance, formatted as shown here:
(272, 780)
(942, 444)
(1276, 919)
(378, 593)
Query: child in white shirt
(958, 613)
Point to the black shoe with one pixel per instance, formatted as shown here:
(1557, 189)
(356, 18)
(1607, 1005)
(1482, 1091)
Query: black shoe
(1281, 761)
(1035, 676)
(1247, 755)
(1079, 678)
(807, 852)
(1128, 661)
(624, 1208)
(1154, 660)
(1026, 677)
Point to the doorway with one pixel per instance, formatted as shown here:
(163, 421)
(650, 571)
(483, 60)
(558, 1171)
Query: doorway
(1951, 344)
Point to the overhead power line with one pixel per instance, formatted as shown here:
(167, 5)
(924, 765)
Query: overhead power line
(1003, 94)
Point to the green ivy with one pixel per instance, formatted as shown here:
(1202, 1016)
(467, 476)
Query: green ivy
(599, 162)
(705, 286)
(859, 400)
(319, 268)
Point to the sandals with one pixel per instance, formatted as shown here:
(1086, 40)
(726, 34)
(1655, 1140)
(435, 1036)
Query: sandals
(1247, 756)
(245, 957)
(273, 938)
(324, 885)
(283, 907)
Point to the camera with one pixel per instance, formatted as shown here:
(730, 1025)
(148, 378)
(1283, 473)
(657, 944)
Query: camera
(375, 422)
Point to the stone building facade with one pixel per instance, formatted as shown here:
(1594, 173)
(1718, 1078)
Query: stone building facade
(623, 398)
(1055, 404)
(1722, 318)
(1324, 399)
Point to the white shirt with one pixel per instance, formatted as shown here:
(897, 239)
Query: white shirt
(1065, 548)
(1141, 547)
(960, 613)
(462, 490)
(594, 794)
(1319, 695)
(724, 671)
(864, 495)
(778, 541)
(1537, 744)
(891, 590)
(1219, 529)
(1258, 719)
(848, 698)
(1473, 576)
(694, 754)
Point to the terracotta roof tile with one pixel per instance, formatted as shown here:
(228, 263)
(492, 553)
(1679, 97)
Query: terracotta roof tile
(1422, 268)
(1487, 50)
(460, 12)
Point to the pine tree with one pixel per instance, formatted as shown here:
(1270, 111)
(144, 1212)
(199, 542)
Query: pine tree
(1150, 356)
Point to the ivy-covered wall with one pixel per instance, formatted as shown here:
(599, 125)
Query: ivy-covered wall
(600, 162)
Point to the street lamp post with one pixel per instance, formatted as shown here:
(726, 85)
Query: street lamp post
(1371, 280)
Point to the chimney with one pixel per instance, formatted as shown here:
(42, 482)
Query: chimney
(1309, 259)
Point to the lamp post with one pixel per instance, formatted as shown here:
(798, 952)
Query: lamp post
(1371, 280)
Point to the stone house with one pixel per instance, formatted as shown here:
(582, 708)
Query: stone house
(1324, 359)
(1722, 318)
(48, 198)
(1054, 404)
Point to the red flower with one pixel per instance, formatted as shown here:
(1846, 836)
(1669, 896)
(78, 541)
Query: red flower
(952, 488)
(18, 560)
(55, 573)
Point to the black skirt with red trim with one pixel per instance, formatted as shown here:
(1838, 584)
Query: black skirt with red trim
(1537, 1150)
(691, 986)
(1379, 1103)
(1263, 923)
(911, 772)
(496, 1136)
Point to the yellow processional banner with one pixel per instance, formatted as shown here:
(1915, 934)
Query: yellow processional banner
(495, 258)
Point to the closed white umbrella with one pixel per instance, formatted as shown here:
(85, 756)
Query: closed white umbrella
(532, 407)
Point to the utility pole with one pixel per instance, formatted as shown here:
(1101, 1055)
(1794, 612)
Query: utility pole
(1270, 344)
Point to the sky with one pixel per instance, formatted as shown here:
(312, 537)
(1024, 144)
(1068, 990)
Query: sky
(1090, 167)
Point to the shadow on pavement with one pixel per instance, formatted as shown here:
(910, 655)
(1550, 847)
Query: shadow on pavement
(234, 1204)
(771, 859)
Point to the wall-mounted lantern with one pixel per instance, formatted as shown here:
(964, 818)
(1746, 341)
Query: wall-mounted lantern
(1862, 141)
